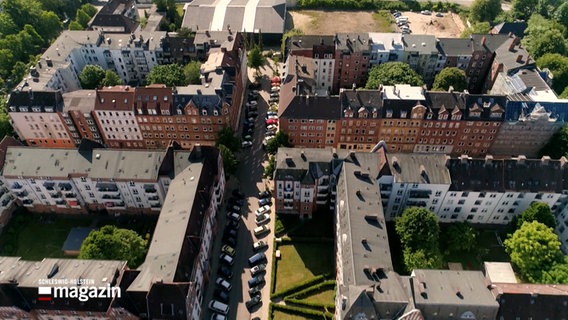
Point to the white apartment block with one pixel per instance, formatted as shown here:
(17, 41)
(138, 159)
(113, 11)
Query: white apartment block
(324, 66)
(385, 47)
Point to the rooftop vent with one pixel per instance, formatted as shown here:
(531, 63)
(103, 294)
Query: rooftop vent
(488, 159)
(521, 159)
(545, 160)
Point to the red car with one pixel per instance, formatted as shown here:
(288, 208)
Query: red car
(271, 121)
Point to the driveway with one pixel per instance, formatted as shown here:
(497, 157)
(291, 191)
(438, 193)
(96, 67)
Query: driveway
(249, 181)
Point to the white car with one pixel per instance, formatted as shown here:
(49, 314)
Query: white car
(271, 127)
(275, 89)
(246, 144)
(262, 219)
(257, 269)
(259, 245)
(272, 117)
(224, 284)
(262, 210)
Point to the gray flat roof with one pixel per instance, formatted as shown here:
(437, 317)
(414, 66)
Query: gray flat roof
(126, 164)
(409, 168)
(44, 162)
(165, 249)
(79, 100)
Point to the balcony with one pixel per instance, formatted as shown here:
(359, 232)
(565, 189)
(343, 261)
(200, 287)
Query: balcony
(416, 203)
(288, 200)
(106, 187)
(65, 186)
(153, 198)
(61, 203)
(49, 186)
(28, 202)
(70, 195)
(323, 188)
(334, 190)
(288, 207)
(16, 186)
(156, 205)
(419, 194)
(115, 205)
(55, 195)
(150, 190)
(22, 194)
(112, 197)
(5, 202)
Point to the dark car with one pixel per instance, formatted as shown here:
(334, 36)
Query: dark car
(256, 300)
(254, 291)
(236, 202)
(253, 114)
(264, 194)
(237, 194)
(264, 201)
(221, 295)
(254, 85)
(230, 240)
(225, 272)
(255, 281)
(231, 224)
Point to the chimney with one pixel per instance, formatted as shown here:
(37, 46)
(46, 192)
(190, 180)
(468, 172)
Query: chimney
(521, 159)
(451, 89)
(545, 160)
(519, 58)
(464, 158)
(31, 93)
(197, 150)
(527, 60)
(482, 41)
(199, 91)
(334, 153)
(303, 155)
(488, 159)
(370, 291)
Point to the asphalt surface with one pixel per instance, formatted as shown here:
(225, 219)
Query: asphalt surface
(248, 180)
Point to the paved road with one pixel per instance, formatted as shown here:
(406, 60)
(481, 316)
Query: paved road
(249, 181)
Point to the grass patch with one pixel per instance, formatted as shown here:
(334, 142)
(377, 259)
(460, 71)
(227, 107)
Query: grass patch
(280, 315)
(302, 261)
(383, 20)
(179, 8)
(320, 226)
(324, 297)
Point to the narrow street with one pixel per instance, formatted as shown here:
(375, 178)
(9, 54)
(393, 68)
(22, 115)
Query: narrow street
(248, 179)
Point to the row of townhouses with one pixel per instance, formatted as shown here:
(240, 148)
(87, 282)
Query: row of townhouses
(133, 117)
(363, 189)
(171, 281)
(343, 60)
(476, 190)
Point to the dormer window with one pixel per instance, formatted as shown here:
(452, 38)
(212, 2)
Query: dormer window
(443, 116)
(389, 113)
(403, 114)
(476, 114)
(456, 117)
(204, 112)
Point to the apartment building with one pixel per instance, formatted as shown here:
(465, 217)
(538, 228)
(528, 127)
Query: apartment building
(527, 300)
(385, 47)
(171, 281)
(89, 179)
(7, 199)
(116, 16)
(510, 57)
(422, 55)
(360, 116)
(352, 55)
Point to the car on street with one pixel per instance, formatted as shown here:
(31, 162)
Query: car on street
(275, 89)
(262, 219)
(234, 216)
(219, 307)
(262, 210)
(256, 300)
(232, 241)
(264, 194)
(226, 259)
(254, 291)
(218, 316)
(224, 284)
(268, 117)
(257, 269)
(230, 233)
(221, 295)
(261, 230)
(253, 114)
(225, 272)
(228, 250)
(254, 281)
(271, 122)
(248, 137)
(271, 113)
(274, 99)
(237, 194)
(246, 144)
(236, 202)
(259, 245)
(274, 95)
(232, 225)
(264, 202)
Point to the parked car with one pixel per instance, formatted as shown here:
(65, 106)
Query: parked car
(397, 14)
(226, 285)
(261, 230)
(259, 245)
(264, 194)
(264, 202)
(246, 144)
(232, 241)
(221, 295)
(255, 281)
(262, 219)
(225, 272)
(234, 208)
(274, 95)
(257, 269)
(254, 85)
(426, 12)
(256, 300)
(256, 259)
(271, 122)
(227, 259)
(252, 107)
(236, 202)
(439, 14)
(234, 216)
(273, 99)
(237, 194)
(248, 137)
(254, 291)
(262, 210)
(234, 225)
(272, 113)
(271, 117)
(219, 307)
(228, 250)
(230, 233)
(217, 316)
(275, 89)
(269, 134)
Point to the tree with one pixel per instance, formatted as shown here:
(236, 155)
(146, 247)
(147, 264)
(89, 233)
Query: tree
(453, 77)
(91, 76)
(83, 18)
(279, 140)
(184, 32)
(255, 58)
(5, 126)
(230, 162)
(561, 14)
(7, 25)
(112, 243)
(523, 9)
(392, 73)
(418, 229)
(192, 72)
(544, 36)
(22, 12)
(269, 170)
(564, 94)
(557, 146)
(421, 259)
(168, 74)
(558, 274)
(227, 138)
(476, 28)
(89, 9)
(533, 248)
(485, 10)
(290, 33)
(111, 79)
(558, 65)
(74, 25)
(459, 237)
(537, 211)
(49, 25)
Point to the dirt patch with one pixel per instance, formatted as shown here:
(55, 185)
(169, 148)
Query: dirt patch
(331, 22)
(448, 26)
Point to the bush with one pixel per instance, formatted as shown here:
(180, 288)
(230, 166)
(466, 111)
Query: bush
(306, 313)
(401, 5)
(274, 266)
(310, 303)
(314, 289)
(300, 286)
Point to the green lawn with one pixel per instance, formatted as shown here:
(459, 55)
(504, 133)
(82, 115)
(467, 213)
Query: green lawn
(327, 297)
(321, 225)
(303, 261)
(279, 315)
(383, 20)
(179, 8)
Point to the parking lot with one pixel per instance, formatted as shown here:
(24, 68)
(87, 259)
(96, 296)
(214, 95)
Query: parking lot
(248, 180)
(440, 24)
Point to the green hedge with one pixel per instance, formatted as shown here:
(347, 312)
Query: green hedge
(300, 286)
(288, 240)
(274, 266)
(310, 303)
(306, 313)
(401, 5)
(314, 289)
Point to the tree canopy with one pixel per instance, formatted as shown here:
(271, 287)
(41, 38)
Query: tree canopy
(476, 28)
(537, 211)
(534, 248)
(269, 169)
(557, 146)
(112, 243)
(111, 79)
(558, 65)
(421, 259)
(418, 228)
(392, 73)
(227, 138)
(485, 10)
(255, 58)
(544, 36)
(91, 76)
(168, 74)
(192, 72)
(230, 162)
(459, 237)
(279, 140)
(453, 77)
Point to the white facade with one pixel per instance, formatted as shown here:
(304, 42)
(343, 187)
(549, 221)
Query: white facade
(119, 125)
(38, 125)
(323, 73)
(385, 47)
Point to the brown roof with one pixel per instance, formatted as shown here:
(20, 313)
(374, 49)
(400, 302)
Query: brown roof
(119, 98)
